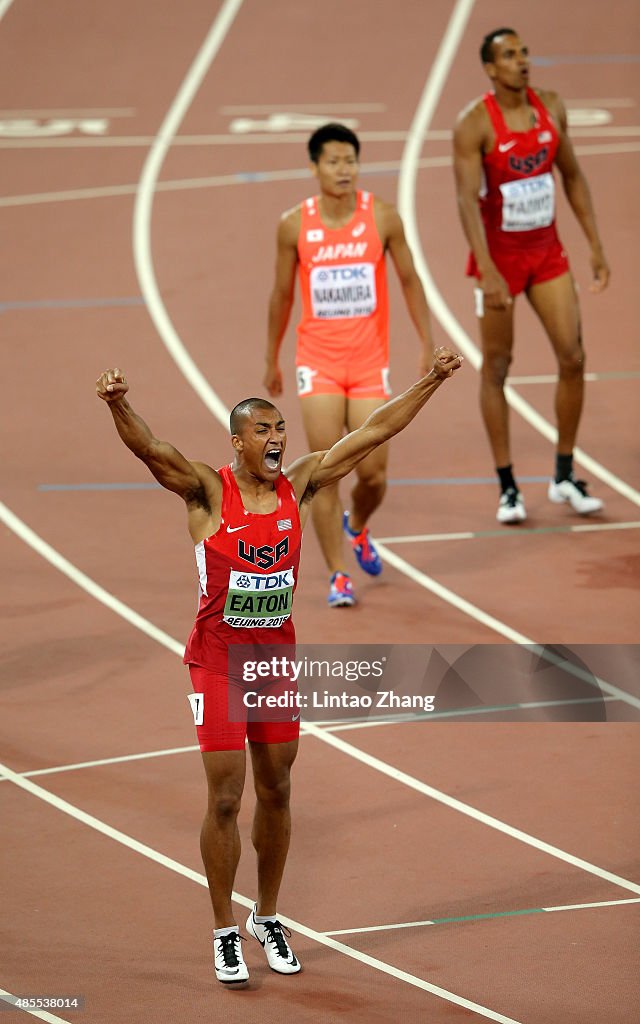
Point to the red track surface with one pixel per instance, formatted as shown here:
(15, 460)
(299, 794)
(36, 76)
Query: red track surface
(86, 914)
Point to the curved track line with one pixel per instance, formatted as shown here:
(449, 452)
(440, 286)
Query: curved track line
(141, 623)
(144, 204)
(59, 562)
(195, 876)
(406, 206)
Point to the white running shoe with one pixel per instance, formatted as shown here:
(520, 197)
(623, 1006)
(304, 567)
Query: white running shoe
(511, 507)
(575, 492)
(228, 960)
(272, 936)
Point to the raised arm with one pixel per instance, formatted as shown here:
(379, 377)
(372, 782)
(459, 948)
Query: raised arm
(468, 141)
(577, 192)
(391, 230)
(319, 469)
(197, 484)
(281, 299)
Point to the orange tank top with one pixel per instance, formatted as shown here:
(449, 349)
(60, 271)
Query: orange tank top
(343, 288)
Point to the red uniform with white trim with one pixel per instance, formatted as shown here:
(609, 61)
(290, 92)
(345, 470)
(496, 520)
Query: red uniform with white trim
(247, 576)
(517, 201)
(343, 334)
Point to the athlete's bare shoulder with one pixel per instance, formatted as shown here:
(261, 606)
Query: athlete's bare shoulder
(553, 103)
(289, 225)
(473, 125)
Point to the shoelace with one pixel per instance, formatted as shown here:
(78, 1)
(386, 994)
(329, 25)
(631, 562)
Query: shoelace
(512, 497)
(276, 934)
(229, 951)
(581, 485)
(342, 583)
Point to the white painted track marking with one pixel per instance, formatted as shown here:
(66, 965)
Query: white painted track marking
(144, 205)
(195, 876)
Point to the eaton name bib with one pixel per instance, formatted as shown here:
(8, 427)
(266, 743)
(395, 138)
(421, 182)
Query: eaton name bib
(259, 599)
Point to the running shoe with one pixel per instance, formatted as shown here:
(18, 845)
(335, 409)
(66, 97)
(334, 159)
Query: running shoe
(273, 936)
(575, 492)
(228, 961)
(511, 507)
(341, 593)
(364, 548)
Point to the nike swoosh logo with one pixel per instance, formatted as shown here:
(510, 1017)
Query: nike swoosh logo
(234, 529)
(358, 231)
(294, 718)
(504, 146)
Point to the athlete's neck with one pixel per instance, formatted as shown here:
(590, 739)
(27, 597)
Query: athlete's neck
(511, 99)
(336, 211)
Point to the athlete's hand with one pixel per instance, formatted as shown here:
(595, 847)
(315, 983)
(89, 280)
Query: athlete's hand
(273, 380)
(445, 363)
(600, 271)
(111, 385)
(495, 290)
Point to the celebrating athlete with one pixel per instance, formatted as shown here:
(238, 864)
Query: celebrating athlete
(245, 520)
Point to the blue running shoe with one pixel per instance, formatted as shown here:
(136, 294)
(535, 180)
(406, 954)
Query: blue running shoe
(341, 593)
(364, 548)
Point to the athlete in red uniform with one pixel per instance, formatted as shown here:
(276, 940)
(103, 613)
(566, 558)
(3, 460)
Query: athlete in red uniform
(338, 241)
(506, 145)
(245, 521)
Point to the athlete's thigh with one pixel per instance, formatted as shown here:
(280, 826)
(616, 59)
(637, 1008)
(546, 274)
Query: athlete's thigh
(272, 762)
(496, 334)
(225, 771)
(358, 410)
(324, 419)
(556, 304)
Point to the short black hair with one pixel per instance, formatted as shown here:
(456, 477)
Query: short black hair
(244, 409)
(486, 50)
(332, 132)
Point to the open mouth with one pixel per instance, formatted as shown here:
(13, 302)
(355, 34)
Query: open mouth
(272, 458)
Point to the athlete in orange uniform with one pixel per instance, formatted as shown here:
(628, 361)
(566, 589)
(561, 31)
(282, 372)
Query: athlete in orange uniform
(245, 521)
(338, 241)
(506, 145)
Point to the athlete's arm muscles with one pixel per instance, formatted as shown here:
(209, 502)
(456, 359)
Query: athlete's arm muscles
(320, 469)
(281, 299)
(469, 138)
(391, 231)
(197, 484)
(577, 191)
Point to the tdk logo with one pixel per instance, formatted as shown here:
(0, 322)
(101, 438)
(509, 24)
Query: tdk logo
(343, 274)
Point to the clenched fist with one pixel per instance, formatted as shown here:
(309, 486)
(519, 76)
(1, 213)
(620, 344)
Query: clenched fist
(111, 385)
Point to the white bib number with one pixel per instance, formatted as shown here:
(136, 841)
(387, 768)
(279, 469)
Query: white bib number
(345, 291)
(528, 203)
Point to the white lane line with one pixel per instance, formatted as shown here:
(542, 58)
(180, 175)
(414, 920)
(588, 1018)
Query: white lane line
(307, 108)
(101, 762)
(406, 205)
(10, 999)
(4, 7)
(62, 564)
(195, 876)
(552, 378)
(73, 112)
(243, 178)
(142, 251)
(497, 625)
(480, 917)
(457, 805)
(139, 622)
(417, 538)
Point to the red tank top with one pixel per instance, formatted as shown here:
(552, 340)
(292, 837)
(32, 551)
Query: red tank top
(518, 197)
(247, 575)
(343, 287)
